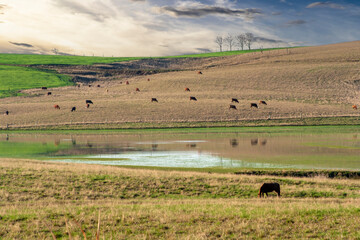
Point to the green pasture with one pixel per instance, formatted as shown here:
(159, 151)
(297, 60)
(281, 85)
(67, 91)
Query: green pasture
(14, 79)
(27, 59)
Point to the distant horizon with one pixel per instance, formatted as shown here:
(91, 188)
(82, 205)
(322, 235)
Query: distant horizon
(149, 28)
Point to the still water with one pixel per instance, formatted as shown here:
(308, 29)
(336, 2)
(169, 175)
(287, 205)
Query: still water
(299, 148)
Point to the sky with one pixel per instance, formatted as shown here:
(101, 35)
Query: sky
(124, 28)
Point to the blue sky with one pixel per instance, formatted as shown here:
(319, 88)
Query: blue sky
(159, 27)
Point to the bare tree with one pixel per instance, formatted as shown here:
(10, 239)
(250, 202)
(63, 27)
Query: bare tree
(55, 51)
(241, 40)
(229, 41)
(249, 39)
(219, 40)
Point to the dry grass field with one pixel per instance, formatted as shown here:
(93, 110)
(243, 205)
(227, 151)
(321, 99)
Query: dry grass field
(301, 82)
(41, 200)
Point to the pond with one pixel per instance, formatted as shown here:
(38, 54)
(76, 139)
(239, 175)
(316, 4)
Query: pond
(280, 147)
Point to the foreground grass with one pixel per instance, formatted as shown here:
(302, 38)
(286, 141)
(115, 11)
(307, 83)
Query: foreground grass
(32, 59)
(39, 199)
(14, 79)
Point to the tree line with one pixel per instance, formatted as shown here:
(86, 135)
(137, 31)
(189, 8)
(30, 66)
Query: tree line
(240, 40)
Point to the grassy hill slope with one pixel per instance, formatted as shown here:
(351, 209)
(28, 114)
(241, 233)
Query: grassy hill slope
(298, 83)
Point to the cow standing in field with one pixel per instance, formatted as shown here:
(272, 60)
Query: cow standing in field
(73, 109)
(89, 102)
(232, 107)
(199, 72)
(43, 88)
(354, 107)
(187, 89)
(253, 105)
(154, 100)
(137, 90)
(269, 187)
(193, 99)
(263, 102)
(57, 106)
(6, 112)
(234, 100)
(49, 93)
(87, 105)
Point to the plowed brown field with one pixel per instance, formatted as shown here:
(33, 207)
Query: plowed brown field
(300, 82)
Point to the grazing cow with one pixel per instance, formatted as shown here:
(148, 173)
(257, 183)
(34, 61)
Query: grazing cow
(269, 187)
(234, 100)
(127, 83)
(73, 109)
(137, 89)
(87, 105)
(254, 142)
(49, 93)
(253, 105)
(232, 107)
(148, 79)
(7, 112)
(193, 99)
(43, 88)
(263, 102)
(98, 85)
(56, 106)
(354, 107)
(199, 72)
(154, 100)
(90, 85)
(89, 102)
(187, 89)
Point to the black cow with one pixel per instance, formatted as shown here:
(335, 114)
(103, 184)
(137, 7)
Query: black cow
(269, 187)
(43, 88)
(7, 113)
(73, 109)
(89, 102)
(234, 100)
(232, 107)
(193, 99)
(154, 100)
(253, 105)
(49, 93)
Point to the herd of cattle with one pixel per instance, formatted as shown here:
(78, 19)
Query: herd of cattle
(192, 98)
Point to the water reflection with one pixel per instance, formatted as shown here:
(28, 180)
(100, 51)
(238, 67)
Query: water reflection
(261, 149)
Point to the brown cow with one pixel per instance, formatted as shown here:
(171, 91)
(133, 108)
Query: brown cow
(148, 79)
(354, 107)
(263, 102)
(269, 187)
(87, 105)
(193, 99)
(137, 89)
(154, 100)
(253, 105)
(234, 100)
(232, 107)
(187, 89)
(127, 83)
(56, 106)
(199, 72)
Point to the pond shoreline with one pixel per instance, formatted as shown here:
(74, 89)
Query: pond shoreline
(312, 121)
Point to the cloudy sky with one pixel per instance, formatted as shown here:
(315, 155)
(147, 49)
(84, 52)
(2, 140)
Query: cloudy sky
(170, 27)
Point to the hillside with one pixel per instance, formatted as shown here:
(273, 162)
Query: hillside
(295, 83)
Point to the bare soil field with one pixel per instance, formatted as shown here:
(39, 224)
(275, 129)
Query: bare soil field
(304, 82)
